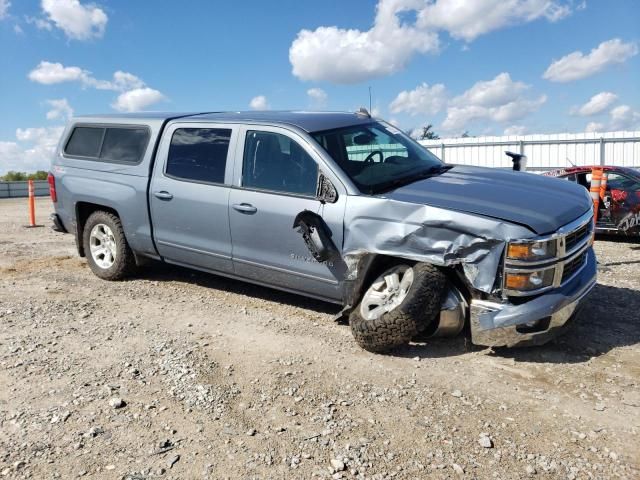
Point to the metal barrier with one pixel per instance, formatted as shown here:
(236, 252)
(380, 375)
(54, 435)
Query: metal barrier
(544, 152)
(21, 189)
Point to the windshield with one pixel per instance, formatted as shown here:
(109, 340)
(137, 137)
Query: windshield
(378, 156)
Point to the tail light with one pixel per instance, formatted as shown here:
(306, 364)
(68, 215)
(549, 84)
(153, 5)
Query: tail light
(52, 188)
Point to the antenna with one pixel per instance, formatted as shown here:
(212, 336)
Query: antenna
(369, 98)
(572, 164)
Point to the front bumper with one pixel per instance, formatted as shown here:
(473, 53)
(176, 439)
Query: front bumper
(534, 322)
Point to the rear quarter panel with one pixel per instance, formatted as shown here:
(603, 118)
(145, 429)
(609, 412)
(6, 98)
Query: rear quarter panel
(121, 187)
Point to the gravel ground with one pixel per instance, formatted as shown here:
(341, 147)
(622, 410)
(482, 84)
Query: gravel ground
(176, 374)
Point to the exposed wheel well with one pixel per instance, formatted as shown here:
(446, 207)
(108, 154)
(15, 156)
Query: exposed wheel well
(373, 265)
(83, 211)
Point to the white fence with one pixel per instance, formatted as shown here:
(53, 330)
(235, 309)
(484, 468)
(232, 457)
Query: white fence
(544, 152)
(21, 189)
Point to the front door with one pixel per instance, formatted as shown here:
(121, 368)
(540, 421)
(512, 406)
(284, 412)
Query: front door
(276, 181)
(189, 195)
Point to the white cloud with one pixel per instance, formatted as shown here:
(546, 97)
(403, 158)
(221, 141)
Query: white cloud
(423, 100)
(259, 103)
(134, 94)
(469, 19)
(342, 55)
(594, 127)
(624, 118)
(515, 130)
(318, 97)
(77, 21)
(32, 150)
(501, 100)
(137, 99)
(577, 65)
(349, 55)
(597, 104)
(49, 73)
(60, 109)
(4, 8)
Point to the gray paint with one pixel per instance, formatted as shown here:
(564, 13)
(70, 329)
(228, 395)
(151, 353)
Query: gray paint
(518, 197)
(463, 218)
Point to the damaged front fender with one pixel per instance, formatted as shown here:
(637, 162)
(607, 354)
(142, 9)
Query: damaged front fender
(427, 234)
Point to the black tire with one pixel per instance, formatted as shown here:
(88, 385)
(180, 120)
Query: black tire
(417, 311)
(124, 262)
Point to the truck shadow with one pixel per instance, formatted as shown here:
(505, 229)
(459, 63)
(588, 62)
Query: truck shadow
(609, 319)
(171, 273)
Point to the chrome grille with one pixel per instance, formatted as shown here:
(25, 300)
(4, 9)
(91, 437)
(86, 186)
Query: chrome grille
(576, 237)
(572, 243)
(570, 268)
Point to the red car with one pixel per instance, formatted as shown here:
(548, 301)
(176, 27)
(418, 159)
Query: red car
(619, 207)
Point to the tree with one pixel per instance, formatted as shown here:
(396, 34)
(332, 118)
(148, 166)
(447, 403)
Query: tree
(428, 133)
(13, 176)
(39, 175)
(465, 134)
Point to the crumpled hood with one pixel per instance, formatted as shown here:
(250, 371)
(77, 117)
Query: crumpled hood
(543, 204)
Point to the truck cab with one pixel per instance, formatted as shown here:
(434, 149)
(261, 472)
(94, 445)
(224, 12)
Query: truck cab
(341, 207)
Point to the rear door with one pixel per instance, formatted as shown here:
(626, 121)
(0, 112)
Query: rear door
(189, 195)
(623, 192)
(275, 179)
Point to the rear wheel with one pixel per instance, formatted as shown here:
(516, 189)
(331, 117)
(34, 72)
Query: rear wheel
(108, 253)
(402, 302)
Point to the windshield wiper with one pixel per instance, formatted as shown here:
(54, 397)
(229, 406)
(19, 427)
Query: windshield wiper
(400, 182)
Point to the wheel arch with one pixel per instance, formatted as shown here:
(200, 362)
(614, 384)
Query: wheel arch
(83, 212)
(371, 265)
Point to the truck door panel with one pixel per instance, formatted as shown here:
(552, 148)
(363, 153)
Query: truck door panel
(189, 195)
(278, 180)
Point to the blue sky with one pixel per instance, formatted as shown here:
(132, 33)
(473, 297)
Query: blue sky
(483, 66)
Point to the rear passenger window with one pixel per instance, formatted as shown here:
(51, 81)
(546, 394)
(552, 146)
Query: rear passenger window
(85, 142)
(124, 144)
(108, 144)
(199, 154)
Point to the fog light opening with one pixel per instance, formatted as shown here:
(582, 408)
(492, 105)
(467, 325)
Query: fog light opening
(534, 326)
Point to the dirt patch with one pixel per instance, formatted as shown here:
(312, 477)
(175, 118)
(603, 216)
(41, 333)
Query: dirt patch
(177, 374)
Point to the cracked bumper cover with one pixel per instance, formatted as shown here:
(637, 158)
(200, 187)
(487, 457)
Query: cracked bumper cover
(498, 324)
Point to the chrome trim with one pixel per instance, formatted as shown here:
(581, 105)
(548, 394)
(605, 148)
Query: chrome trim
(557, 263)
(559, 235)
(557, 277)
(509, 335)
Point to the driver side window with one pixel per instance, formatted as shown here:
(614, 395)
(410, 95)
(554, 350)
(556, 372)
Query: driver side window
(277, 163)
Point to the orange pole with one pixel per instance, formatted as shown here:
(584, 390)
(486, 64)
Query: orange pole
(32, 204)
(603, 185)
(596, 179)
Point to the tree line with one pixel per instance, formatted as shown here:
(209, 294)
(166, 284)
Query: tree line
(12, 176)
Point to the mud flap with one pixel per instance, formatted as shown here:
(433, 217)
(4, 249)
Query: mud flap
(316, 236)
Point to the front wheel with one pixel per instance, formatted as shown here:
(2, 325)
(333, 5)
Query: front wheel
(106, 247)
(399, 304)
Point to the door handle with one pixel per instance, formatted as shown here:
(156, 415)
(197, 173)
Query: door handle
(245, 208)
(163, 195)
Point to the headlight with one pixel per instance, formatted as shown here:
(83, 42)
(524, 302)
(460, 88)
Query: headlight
(530, 280)
(532, 250)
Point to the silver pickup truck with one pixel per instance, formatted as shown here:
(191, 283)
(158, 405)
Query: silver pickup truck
(337, 206)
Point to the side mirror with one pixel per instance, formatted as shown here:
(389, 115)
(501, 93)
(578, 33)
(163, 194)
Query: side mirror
(325, 191)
